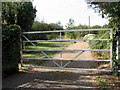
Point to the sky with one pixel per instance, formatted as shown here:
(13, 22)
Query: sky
(52, 11)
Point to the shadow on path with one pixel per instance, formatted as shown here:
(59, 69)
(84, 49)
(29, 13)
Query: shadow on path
(50, 79)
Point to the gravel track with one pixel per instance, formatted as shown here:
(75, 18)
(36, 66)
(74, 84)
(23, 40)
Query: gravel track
(47, 78)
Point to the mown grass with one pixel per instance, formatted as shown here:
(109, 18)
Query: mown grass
(38, 54)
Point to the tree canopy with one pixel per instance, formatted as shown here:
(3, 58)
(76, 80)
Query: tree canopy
(20, 13)
(109, 9)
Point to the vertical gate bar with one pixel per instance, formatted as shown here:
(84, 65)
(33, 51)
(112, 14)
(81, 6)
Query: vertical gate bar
(117, 51)
(61, 47)
(21, 51)
(111, 49)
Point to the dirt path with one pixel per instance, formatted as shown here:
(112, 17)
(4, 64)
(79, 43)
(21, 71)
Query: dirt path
(71, 55)
(45, 78)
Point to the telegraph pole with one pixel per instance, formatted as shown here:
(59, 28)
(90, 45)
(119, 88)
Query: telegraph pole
(89, 22)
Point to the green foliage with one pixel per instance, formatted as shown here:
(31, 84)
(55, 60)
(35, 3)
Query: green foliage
(41, 26)
(107, 82)
(102, 83)
(96, 26)
(38, 54)
(111, 10)
(70, 24)
(53, 36)
(20, 13)
(10, 48)
(101, 45)
(116, 63)
(15, 16)
(89, 36)
(74, 35)
(56, 26)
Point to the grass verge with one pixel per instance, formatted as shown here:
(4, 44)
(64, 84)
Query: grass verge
(38, 54)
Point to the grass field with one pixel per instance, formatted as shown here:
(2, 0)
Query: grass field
(38, 54)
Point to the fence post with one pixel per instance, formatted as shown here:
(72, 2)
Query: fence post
(111, 49)
(61, 47)
(21, 51)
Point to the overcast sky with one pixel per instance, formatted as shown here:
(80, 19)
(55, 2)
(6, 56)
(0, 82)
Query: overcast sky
(52, 11)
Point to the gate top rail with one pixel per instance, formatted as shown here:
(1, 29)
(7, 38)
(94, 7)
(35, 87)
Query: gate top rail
(75, 30)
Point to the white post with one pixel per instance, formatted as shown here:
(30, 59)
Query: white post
(21, 51)
(117, 50)
(61, 47)
(89, 23)
(111, 49)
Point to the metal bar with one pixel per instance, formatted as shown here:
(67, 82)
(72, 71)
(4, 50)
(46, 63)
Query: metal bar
(41, 51)
(66, 59)
(35, 32)
(61, 68)
(36, 46)
(21, 51)
(91, 45)
(67, 63)
(61, 48)
(87, 48)
(111, 49)
(65, 50)
(67, 40)
(74, 59)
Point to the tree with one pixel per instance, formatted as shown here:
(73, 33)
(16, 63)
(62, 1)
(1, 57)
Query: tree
(41, 26)
(112, 10)
(20, 13)
(56, 26)
(96, 26)
(109, 9)
(71, 23)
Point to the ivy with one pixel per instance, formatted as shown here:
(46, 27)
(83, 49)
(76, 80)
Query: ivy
(116, 62)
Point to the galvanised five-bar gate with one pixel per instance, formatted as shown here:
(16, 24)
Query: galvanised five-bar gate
(60, 66)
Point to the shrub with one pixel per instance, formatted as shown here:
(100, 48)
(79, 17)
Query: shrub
(101, 45)
(89, 36)
(10, 48)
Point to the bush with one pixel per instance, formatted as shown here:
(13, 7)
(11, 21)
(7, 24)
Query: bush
(70, 35)
(89, 36)
(10, 49)
(53, 35)
(101, 45)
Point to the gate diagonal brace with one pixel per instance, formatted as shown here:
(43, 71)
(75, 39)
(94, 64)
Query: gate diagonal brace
(85, 49)
(41, 51)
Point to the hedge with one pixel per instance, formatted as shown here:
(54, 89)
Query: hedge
(10, 49)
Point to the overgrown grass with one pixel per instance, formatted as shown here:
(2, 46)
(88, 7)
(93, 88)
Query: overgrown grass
(38, 54)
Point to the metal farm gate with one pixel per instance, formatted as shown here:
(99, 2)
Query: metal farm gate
(61, 66)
